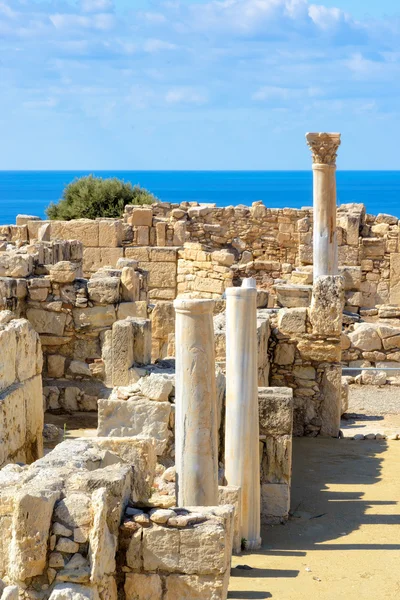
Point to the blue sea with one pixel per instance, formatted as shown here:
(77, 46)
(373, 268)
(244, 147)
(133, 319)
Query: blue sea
(29, 192)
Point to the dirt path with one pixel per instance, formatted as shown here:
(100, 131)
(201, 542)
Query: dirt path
(343, 539)
(372, 409)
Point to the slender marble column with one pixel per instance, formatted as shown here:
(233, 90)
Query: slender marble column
(196, 441)
(242, 455)
(324, 148)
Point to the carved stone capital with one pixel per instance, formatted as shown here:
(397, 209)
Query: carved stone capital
(323, 147)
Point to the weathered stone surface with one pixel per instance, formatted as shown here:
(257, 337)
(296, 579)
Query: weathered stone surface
(143, 586)
(104, 290)
(331, 392)
(292, 320)
(395, 278)
(135, 418)
(275, 411)
(319, 350)
(194, 587)
(156, 387)
(71, 591)
(327, 305)
(365, 337)
(284, 354)
(44, 321)
(98, 316)
(64, 272)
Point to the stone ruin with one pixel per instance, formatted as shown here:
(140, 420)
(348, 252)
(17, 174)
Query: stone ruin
(204, 338)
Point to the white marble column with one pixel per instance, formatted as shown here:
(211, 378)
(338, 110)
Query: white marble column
(324, 148)
(242, 455)
(196, 436)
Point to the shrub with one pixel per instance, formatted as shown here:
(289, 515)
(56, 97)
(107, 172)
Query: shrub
(91, 197)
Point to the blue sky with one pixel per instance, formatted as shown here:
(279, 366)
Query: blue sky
(197, 84)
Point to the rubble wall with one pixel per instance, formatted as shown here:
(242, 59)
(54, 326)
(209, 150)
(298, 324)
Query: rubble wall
(21, 403)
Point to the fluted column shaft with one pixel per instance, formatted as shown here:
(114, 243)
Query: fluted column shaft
(242, 455)
(196, 442)
(325, 250)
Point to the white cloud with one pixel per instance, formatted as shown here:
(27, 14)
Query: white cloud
(96, 5)
(101, 21)
(185, 95)
(7, 11)
(154, 45)
(327, 18)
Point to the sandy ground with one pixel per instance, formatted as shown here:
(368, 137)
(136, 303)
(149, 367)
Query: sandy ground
(343, 538)
(372, 409)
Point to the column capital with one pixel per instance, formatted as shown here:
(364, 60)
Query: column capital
(324, 147)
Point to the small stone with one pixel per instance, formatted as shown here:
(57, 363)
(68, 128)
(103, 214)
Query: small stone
(161, 515)
(61, 530)
(169, 475)
(186, 520)
(358, 436)
(380, 436)
(370, 436)
(77, 562)
(51, 575)
(81, 535)
(66, 545)
(56, 560)
(53, 540)
(142, 519)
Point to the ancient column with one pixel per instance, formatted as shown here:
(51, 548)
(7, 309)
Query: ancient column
(196, 442)
(324, 147)
(242, 457)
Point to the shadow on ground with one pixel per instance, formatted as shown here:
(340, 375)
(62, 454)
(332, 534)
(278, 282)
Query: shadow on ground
(320, 514)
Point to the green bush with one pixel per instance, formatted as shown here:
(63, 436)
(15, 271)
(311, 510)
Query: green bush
(91, 197)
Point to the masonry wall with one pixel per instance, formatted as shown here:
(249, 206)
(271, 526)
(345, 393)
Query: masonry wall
(21, 404)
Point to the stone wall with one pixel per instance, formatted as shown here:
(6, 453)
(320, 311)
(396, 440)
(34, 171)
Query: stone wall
(21, 404)
(71, 527)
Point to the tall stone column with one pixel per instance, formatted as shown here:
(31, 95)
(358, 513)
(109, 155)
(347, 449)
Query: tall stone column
(324, 148)
(242, 455)
(196, 441)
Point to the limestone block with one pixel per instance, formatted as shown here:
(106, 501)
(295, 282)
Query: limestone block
(141, 216)
(348, 255)
(395, 278)
(161, 234)
(83, 230)
(161, 274)
(13, 264)
(91, 260)
(132, 309)
(72, 591)
(78, 367)
(331, 392)
(103, 544)
(373, 248)
(163, 254)
(179, 233)
(391, 343)
(195, 587)
(139, 452)
(292, 296)
(74, 510)
(365, 337)
(284, 354)
(28, 352)
(135, 418)
(223, 257)
(13, 419)
(156, 387)
(110, 233)
(34, 418)
(232, 495)
(162, 294)
(10, 592)
(142, 235)
(327, 304)
(351, 277)
(275, 411)
(8, 356)
(56, 366)
(143, 586)
(276, 459)
(138, 254)
(319, 350)
(130, 284)
(202, 549)
(353, 299)
(122, 351)
(161, 549)
(373, 377)
(64, 272)
(104, 290)
(141, 341)
(32, 523)
(275, 502)
(292, 320)
(213, 286)
(43, 321)
(23, 219)
(96, 317)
